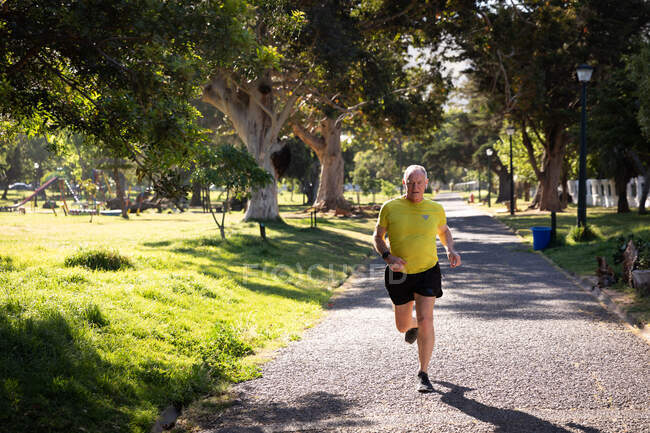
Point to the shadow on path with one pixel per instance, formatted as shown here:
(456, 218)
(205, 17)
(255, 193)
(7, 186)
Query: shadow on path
(312, 408)
(504, 420)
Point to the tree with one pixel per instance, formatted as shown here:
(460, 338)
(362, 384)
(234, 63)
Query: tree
(308, 49)
(522, 56)
(303, 167)
(615, 133)
(639, 67)
(233, 169)
(368, 72)
(123, 72)
(371, 167)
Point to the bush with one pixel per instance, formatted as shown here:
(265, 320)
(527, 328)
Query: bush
(583, 234)
(98, 260)
(6, 264)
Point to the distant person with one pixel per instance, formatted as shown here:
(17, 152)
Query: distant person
(413, 272)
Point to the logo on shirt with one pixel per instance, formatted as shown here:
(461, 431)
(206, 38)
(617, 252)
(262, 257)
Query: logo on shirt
(426, 217)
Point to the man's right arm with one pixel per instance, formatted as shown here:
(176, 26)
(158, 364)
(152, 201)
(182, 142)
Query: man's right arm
(396, 263)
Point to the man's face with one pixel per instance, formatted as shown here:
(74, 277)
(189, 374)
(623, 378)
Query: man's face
(415, 184)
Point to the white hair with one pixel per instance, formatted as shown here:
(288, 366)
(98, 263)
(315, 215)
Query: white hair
(411, 168)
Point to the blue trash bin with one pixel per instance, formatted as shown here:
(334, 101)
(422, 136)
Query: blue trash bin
(541, 237)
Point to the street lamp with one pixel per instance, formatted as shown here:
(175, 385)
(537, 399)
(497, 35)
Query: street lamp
(489, 153)
(584, 75)
(510, 130)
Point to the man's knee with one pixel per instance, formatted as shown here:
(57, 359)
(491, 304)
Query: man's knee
(403, 325)
(425, 322)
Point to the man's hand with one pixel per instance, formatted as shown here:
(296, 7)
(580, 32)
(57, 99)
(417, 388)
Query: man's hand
(396, 264)
(454, 258)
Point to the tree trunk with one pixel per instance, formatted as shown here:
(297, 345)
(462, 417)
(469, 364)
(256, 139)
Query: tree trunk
(550, 199)
(196, 194)
(550, 174)
(620, 185)
(119, 190)
(537, 197)
(328, 151)
(552, 170)
(504, 186)
(6, 189)
(250, 108)
(565, 196)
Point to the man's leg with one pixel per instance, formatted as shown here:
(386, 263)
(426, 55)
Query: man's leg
(404, 319)
(426, 335)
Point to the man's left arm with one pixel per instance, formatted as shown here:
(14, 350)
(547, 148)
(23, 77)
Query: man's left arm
(445, 237)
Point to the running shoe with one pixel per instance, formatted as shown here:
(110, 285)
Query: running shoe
(424, 384)
(411, 335)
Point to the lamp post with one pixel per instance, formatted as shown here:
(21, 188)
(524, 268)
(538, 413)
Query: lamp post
(510, 130)
(489, 153)
(584, 75)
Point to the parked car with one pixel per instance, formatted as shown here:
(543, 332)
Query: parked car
(20, 186)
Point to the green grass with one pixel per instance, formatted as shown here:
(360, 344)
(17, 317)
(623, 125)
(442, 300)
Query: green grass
(105, 351)
(580, 257)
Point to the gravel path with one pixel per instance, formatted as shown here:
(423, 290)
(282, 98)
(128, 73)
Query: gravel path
(519, 348)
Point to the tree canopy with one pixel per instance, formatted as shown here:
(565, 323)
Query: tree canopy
(122, 73)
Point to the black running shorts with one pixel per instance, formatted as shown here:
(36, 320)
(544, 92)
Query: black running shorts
(402, 287)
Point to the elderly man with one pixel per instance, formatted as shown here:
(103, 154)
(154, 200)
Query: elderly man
(413, 273)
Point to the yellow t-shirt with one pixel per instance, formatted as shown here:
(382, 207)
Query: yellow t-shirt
(412, 229)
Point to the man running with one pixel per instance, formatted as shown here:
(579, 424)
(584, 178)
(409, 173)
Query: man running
(413, 272)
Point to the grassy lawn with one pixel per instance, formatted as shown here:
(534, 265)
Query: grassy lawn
(105, 351)
(580, 258)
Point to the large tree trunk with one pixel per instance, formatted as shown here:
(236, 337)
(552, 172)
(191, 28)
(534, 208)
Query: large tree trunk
(552, 163)
(250, 108)
(550, 174)
(328, 150)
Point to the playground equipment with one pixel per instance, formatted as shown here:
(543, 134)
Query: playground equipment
(63, 183)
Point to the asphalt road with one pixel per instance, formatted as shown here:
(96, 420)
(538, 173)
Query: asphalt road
(519, 348)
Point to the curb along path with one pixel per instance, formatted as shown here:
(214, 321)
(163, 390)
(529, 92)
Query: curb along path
(519, 348)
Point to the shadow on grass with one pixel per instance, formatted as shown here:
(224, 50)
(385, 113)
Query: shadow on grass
(504, 420)
(53, 380)
(288, 260)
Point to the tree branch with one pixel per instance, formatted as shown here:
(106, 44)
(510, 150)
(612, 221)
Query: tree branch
(30, 53)
(381, 21)
(317, 144)
(255, 99)
(73, 84)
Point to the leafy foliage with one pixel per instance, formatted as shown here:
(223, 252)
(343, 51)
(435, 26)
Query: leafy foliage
(373, 167)
(127, 82)
(233, 169)
(639, 66)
